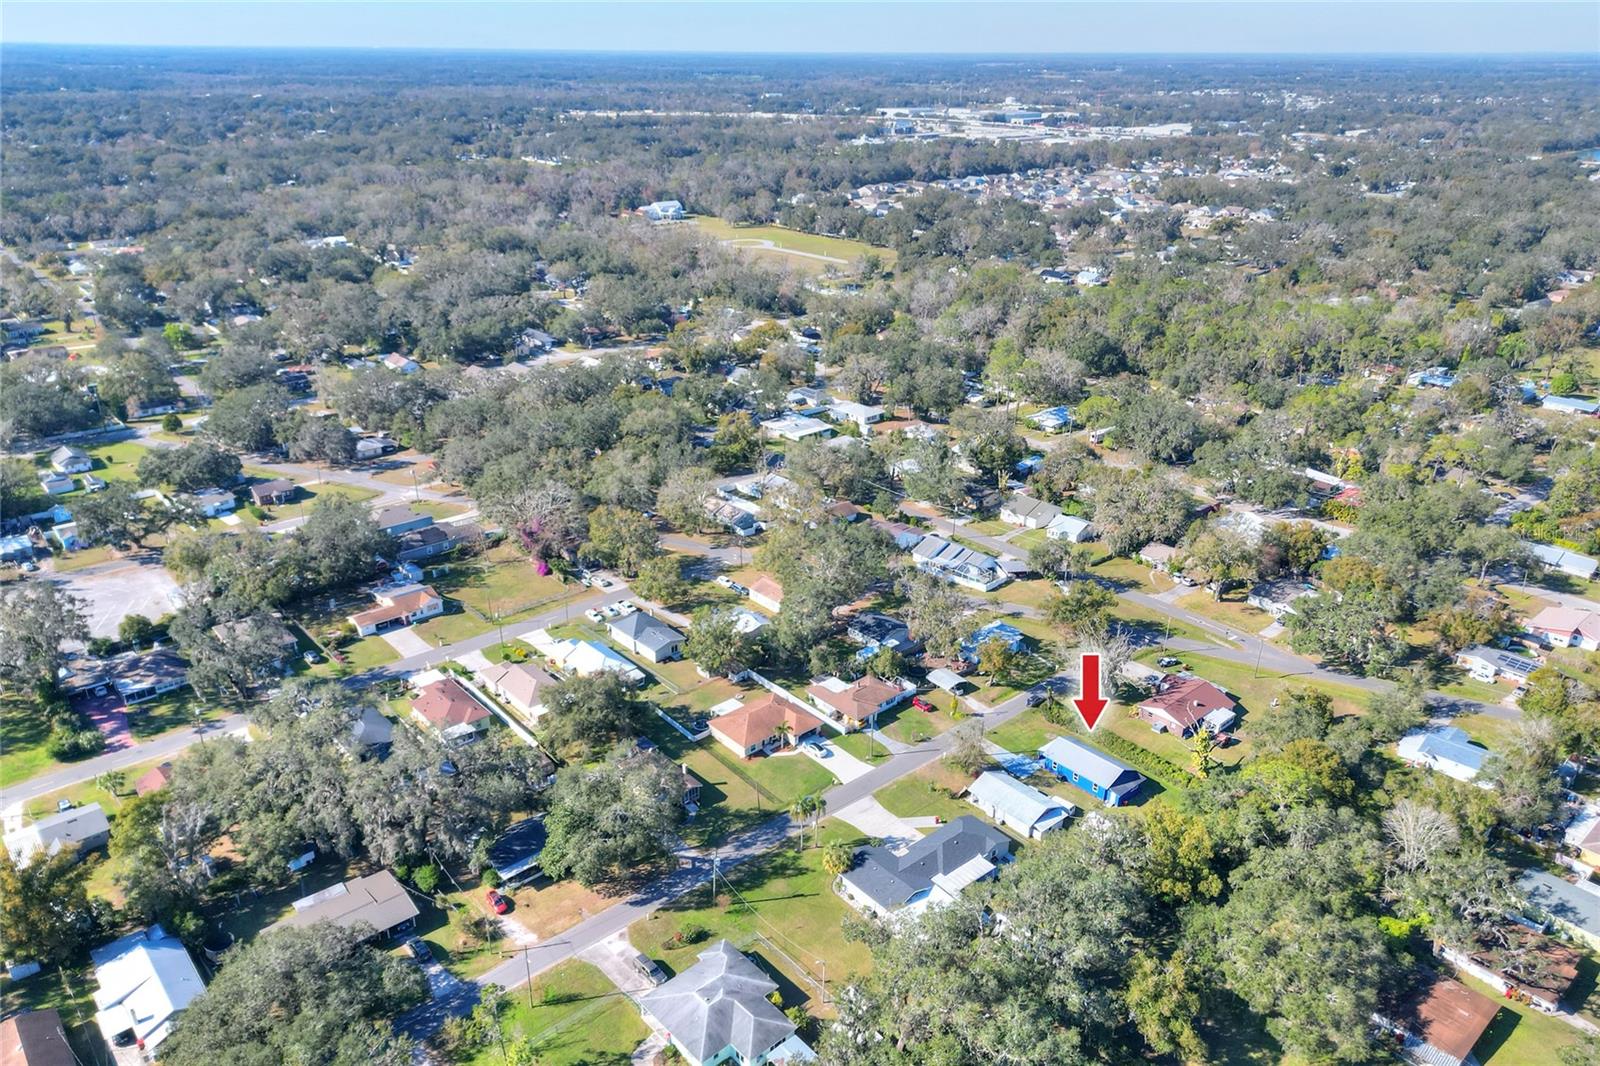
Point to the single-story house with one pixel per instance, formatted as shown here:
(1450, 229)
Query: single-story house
(144, 675)
(1110, 780)
(92, 483)
(138, 408)
(856, 703)
(877, 632)
(259, 628)
(1575, 908)
(398, 362)
(1521, 960)
(16, 548)
(1488, 664)
(55, 483)
(143, 982)
(646, 635)
(1566, 627)
(767, 592)
(1017, 804)
(1029, 512)
(1277, 597)
(401, 519)
(863, 415)
(153, 780)
(532, 342)
(585, 657)
(746, 621)
(446, 707)
(1583, 836)
(35, 1038)
(520, 685)
(1052, 419)
(763, 726)
(958, 565)
(1070, 528)
(1158, 556)
(213, 502)
(69, 459)
(1181, 704)
(75, 831)
(278, 490)
(1435, 377)
(932, 871)
(807, 396)
(433, 540)
(378, 901)
(514, 855)
(717, 1011)
(1570, 405)
(736, 520)
(1445, 749)
(398, 607)
(1013, 638)
(1440, 1022)
(795, 427)
(1562, 560)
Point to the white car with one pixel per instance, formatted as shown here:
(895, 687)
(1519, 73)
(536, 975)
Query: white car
(611, 610)
(594, 616)
(725, 581)
(602, 582)
(627, 607)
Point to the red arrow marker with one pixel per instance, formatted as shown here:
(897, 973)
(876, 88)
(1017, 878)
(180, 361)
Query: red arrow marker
(1091, 703)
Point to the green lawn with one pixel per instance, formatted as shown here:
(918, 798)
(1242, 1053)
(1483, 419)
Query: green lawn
(784, 896)
(95, 791)
(931, 791)
(118, 462)
(1231, 610)
(1132, 573)
(1257, 693)
(66, 561)
(23, 732)
(576, 1016)
(175, 710)
(502, 583)
(367, 654)
(454, 625)
(1519, 1034)
(837, 247)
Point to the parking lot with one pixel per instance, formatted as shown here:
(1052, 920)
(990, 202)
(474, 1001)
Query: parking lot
(115, 590)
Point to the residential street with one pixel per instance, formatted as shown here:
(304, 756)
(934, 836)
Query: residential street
(693, 872)
(89, 769)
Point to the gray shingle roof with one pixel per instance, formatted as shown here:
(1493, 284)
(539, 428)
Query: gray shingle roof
(889, 880)
(643, 629)
(719, 1001)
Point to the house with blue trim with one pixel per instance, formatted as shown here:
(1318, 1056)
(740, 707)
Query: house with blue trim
(1109, 780)
(1014, 639)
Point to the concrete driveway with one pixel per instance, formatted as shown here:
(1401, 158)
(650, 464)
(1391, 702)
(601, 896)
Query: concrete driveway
(874, 819)
(407, 642)
(613, 957)
(838, 762)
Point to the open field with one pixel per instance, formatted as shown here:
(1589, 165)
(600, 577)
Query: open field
(817, 253)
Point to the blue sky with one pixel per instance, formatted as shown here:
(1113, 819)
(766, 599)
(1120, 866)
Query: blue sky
(1076, 26)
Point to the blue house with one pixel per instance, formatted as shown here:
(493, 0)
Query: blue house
(1014, 639)
(1109, 780)
(1052, 419)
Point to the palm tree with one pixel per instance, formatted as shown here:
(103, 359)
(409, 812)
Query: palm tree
(837, 858)
(783, 730)
(819, 811)
(800, 814)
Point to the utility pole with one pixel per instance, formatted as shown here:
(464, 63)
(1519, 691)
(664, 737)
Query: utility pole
(1261, 646)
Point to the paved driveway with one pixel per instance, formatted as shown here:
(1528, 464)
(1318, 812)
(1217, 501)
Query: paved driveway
(839, 763)
(407, 642)
(109, 715)
(874, 819)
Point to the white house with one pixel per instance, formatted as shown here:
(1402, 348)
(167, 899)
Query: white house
(397, 362)
(398, 607)
(582, 657)
(144, 981)
(767, 593)
(213, 502)
(1566, 627)
(663, 211)
(76, 830)
(1562, 560)
(646, 636)
(1017, 805)
(1446, 750)
(795, 427)
(55, 483)
(1488, 664)
(71, 460)
(863, 415)
(1070, 528)
(1052, 419)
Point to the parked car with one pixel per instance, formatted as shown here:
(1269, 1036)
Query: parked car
(603, 582)
(611, 610)
(498, 903)
(418, 949)
(627, 607)
(649, 969)
(921, 704)
(63, 805)
(311, 658)
(30, 567)
(822, 750)
(594, 616)
(1168, 661)
(725, 581)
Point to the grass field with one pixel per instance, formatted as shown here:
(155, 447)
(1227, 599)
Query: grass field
(23, 732)
(577, 1016)
(501, 583)
(837, 248)
(784, 896)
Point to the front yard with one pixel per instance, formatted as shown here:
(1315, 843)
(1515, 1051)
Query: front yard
(570, 1015)
(781, 909)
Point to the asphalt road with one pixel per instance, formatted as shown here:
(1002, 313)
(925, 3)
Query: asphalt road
(89, 769)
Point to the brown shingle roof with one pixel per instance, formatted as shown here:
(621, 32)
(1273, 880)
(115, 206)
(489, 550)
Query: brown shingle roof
(35, 1038)
(1187, 699)
(1451, 1017)
(857, 701)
